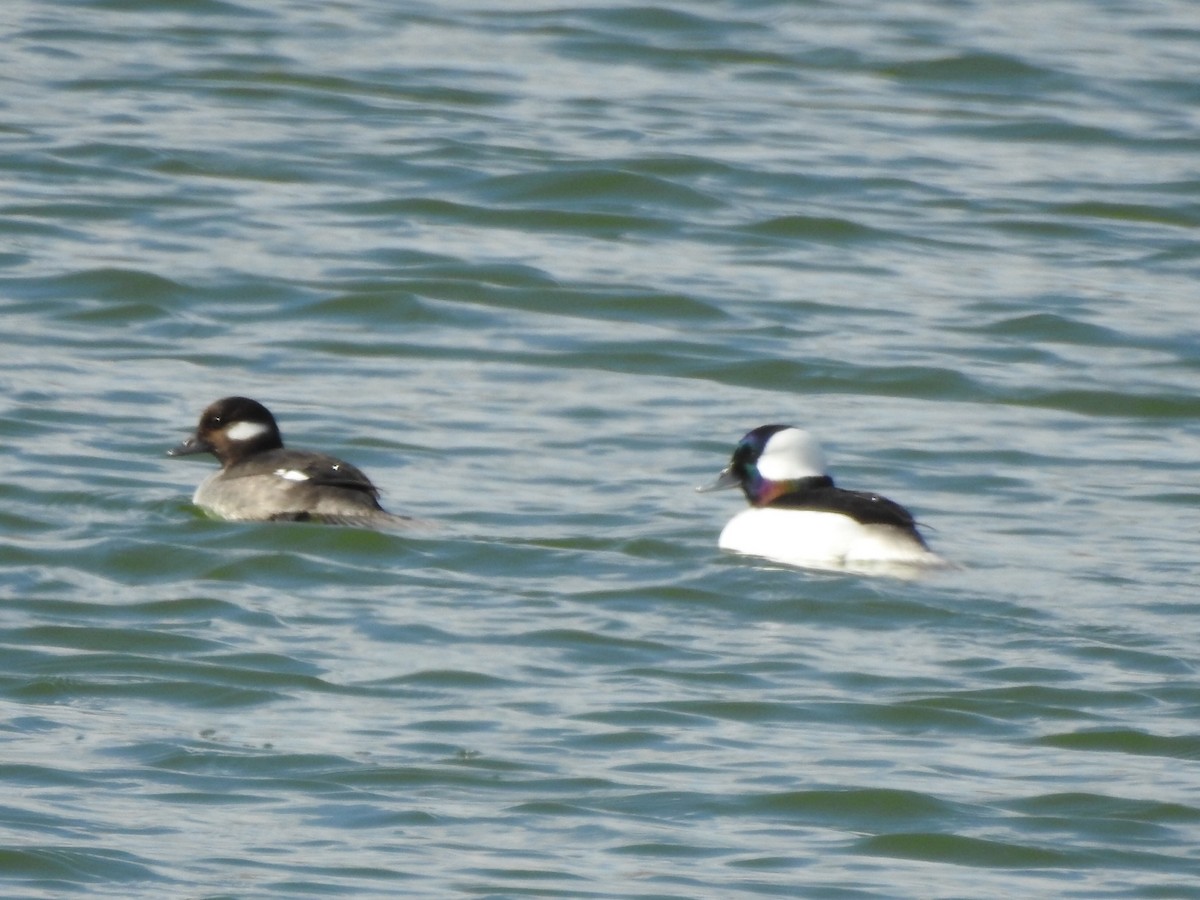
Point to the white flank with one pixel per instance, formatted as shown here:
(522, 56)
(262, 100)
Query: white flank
(825, 540)
(292, 474)
(245, 431)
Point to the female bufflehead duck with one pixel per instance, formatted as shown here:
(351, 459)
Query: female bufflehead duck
(261, 481)
(798, 516)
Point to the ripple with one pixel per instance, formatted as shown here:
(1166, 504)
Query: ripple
(968, 851)
(1132, 741)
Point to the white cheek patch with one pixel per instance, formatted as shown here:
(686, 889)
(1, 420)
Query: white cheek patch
(292, 474)
(791, 454)
(245, 431)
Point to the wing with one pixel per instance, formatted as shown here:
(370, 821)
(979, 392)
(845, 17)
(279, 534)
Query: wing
(862, 506)
(305, 469)
(329, 471)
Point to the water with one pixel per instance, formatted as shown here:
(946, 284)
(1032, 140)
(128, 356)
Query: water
(535, 269)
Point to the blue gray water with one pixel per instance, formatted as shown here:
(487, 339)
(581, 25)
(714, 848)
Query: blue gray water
(535, 268)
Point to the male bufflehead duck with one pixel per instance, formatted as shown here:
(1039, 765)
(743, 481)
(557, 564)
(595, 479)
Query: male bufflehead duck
(798, 516)
(261, 481)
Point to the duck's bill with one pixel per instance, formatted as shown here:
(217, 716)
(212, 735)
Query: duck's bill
(727, 479)
(190, 446)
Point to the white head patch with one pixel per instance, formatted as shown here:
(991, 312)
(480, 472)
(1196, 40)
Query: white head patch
(245, 431)
(791, 454)
(292, 474)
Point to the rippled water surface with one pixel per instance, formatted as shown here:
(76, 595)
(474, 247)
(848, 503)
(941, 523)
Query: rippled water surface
(535, 268)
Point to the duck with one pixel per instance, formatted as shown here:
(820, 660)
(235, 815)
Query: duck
(260, 480)
(798, 516)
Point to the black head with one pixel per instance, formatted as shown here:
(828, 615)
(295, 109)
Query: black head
(232, 429)
(772, 460)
